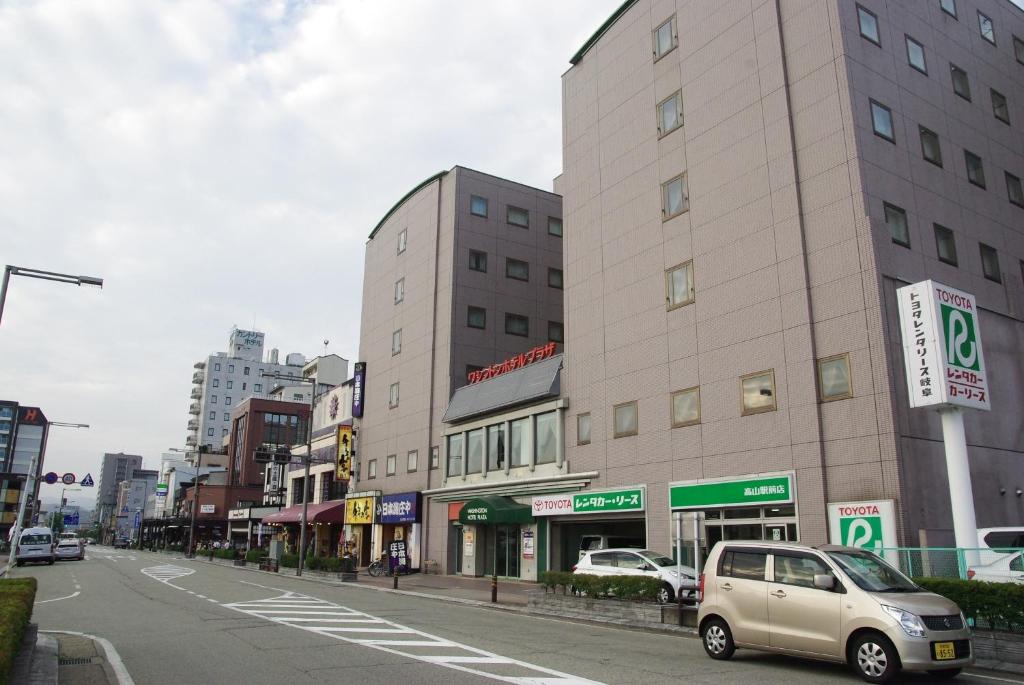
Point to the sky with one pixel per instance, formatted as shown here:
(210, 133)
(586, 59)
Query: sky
(221, 164)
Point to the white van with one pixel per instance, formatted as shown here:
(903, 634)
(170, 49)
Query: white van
(35, 544)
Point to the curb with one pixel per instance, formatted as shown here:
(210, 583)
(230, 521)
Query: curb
(44, 660)
(109, 653)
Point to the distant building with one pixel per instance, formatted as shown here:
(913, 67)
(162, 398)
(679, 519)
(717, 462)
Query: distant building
(116, 468)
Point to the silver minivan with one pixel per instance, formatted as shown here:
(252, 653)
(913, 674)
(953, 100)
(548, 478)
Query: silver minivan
(831, 603)
(35, 544)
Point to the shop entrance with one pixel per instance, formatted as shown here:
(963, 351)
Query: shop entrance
(501, 550)
(455, 542)
(774, 523)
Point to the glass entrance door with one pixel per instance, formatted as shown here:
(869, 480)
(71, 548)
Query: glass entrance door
(506, 550)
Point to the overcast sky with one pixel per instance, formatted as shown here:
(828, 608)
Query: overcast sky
(221, 163)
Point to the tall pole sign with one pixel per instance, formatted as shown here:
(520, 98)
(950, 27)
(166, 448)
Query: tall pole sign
(946, 370)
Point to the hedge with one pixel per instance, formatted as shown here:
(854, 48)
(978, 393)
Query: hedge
(620, 587)
(254, 555)
(290, 560)
(16, 598)
(999, 606)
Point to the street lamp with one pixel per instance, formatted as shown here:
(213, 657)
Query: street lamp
(10, 270)
(305, 459)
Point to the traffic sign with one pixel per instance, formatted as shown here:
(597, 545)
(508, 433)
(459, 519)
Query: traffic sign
(71, 519)
(51, 478)
(87, 482)
(68, 479)
(868, 525)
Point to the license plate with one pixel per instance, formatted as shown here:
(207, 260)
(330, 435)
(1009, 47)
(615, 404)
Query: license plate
(944, 651)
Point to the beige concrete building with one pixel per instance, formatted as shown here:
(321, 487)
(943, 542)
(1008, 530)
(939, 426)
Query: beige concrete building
(746, 183)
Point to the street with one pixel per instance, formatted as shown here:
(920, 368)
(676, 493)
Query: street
(177, 621)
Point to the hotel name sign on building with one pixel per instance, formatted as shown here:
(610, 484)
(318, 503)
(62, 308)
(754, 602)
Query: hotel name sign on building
(537, 354)
(942, 347)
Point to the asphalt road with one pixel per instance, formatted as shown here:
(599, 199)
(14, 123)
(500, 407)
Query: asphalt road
(175, 621)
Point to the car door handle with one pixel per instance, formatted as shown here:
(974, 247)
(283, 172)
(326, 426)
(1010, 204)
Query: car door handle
(778, 593)
(726, 586)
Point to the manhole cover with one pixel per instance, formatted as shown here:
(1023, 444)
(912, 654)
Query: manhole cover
(74, 662)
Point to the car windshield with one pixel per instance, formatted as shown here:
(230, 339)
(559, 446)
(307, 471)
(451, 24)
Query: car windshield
(35, 539)
(657, 558)
(871, 573)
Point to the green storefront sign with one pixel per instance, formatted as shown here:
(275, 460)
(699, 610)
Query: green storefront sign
(608, 501)
(768, 490)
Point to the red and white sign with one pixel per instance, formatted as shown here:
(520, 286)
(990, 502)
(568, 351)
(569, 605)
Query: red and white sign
(552, 505)
(537, 354)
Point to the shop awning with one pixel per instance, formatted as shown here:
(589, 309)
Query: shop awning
(495, 509)
(327, 512)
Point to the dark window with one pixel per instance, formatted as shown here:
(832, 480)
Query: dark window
(915, 55)
(516, 324)
(476, 317)
(961, 84)
(556, 331)
(930, 148)
(990, 263)
(518, 217)
(949, 7)
(477, 205)
(245, 371)
(743, 564)
(945, 245)
(868, 25)
(555, 278)
(554, 226)
(798, 569)
(1000, 108)
(517, 269)
(881, 121)
(1018, 50)
(896, 219)
(477, 261)
(1014, 191)
(975, 169)
(985, 27)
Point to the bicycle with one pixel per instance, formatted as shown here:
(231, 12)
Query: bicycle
(377, 568)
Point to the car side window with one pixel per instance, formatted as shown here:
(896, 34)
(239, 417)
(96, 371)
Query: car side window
(630, 561)
(798, 569)
(1018, 563)
(602, 559)
(748, 565)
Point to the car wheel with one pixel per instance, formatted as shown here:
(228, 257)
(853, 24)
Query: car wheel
(717, 640)
(945, 674)
(665, 594)
(19, 563)
(49, 562)
(874, 658)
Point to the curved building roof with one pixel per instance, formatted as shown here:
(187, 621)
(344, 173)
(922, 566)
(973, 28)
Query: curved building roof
(405, 197)
(575, 59)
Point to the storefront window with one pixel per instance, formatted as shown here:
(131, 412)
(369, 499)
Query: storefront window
(740, 513)
(495, 448)
(474, 450)
(517, 443)
(547, 448)
(454, 455)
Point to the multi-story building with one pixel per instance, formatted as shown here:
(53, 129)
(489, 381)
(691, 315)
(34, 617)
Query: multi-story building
(23, 435)
(132, 496)
(116, 467)
(745, 187)
(464, 271)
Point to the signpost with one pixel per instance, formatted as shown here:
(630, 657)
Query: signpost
(868, 525)
(161, 489)
(51, 478)
(590, 502)
(68, 479)
(87, 482)
(946, 369)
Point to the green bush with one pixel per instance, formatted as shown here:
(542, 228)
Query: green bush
(224, 553)
(553, 580)
(999, 606)
(290, 560)
(642, 588)
(253, 556)
(16, 598)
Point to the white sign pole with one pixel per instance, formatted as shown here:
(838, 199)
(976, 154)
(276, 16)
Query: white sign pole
(961, 495)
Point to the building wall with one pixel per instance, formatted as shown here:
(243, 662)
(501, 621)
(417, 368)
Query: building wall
(116, 468)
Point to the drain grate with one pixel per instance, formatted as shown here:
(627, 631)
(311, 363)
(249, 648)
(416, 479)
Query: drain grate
(74, 662)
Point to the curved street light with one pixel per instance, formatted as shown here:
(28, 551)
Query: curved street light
(11, 270)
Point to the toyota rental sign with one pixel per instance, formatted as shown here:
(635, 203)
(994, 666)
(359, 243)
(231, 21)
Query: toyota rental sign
(942, 346)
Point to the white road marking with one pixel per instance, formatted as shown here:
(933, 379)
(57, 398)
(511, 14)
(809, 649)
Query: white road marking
(314, 615)
(968, 674)
(168, 572)
(57, 599)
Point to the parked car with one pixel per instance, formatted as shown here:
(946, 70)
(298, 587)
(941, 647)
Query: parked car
(121, 543)
(642, 562)
(995, 543)
(830, 603)
(1008, 569)
(70, 548)
(35, 544)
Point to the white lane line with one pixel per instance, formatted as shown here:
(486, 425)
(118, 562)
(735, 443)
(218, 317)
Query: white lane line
(57, 599)
(111, 655)
(968, 674)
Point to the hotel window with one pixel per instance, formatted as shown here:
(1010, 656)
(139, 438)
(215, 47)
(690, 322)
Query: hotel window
(674, 199)
(961, 84)
(554, 226)
(670, 113)
(554, 278)
(474, 450)
(1018, 52)
(990, 263)
(679, 285)
(516, 324)
(985, 27)
(915, 55)
(245, 371)
(583, 429)
(412, 460)
(945, 245)
(391, 465)
(213, 399)
(930, 148)
(758, 392)
(371, 469)
(975, 169)
(496, 447)
(834, 378)
(1014, 190)
(949, 7)
(478, 205)
(216, 366)
(209, 433)
(665, 38)
(243, 385)
(216, 382)
(518, 439)
(227, 401)
(396, 342)
(686, 407)
(477, 261)
(227, 416)
(231, 368)
(213, 416)
(476, 317)
(556, 332)
(435, 457)
(399, 290)
(518, 217)
(223, 432)
(881, 121)
(1000, 108)
(868, 25)
(403, 239)
(896, 220)
(625, 420)
(258, 387)
(393, 395)
(546, 442)
(455, 455)
(231, 384)
(517, 269)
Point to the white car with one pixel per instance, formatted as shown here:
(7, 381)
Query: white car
(70, 548)
(1008, 569)
(35, 544)
(641, 562)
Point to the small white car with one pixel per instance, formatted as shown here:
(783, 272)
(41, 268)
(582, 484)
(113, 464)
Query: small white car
(35, 544)
(70, 548)
(641, 562)
(1008, 569)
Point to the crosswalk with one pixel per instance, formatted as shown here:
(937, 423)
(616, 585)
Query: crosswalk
(342, 623)
(167, 572)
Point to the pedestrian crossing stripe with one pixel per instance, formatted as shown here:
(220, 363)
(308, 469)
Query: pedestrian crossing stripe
(167, 572)
(342, 623)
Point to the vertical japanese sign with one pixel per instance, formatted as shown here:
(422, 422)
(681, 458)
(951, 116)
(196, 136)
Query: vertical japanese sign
(344, 462)
(942, 347)
(358, 389)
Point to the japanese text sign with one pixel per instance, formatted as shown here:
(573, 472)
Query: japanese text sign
(512, 363)
(589, 502)
(343, 472)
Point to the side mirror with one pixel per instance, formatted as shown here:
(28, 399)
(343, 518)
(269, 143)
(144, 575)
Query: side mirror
(824, 581)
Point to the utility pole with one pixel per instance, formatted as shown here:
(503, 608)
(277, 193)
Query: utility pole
(195, 503)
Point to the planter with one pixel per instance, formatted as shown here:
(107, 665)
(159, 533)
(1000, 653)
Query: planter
(348, 576)
(994, 649)
(611, 610)
(240, 562)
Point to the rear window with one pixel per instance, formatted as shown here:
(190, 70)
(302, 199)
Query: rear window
(743, 564)
(603, 559)
(69, 543)
(35, 539)
(1005, 539)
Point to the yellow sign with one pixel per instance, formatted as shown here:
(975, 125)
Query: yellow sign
(359, 510)
(344, 462)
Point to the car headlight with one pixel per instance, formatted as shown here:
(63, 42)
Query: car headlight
(910, 623)
(673, 573)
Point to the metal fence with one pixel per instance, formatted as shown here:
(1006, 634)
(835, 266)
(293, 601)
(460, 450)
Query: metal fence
(940, 562)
